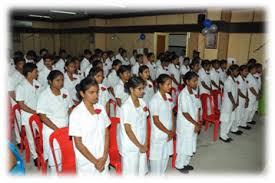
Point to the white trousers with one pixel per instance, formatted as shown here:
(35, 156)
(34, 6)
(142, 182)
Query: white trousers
(226, 124)
(30, 141)
(134, 163)
(182, 160)
(158, 167)
(250, 113)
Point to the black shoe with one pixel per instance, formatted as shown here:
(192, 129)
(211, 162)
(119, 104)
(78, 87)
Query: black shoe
(251, 122)
(237, 132)
(35, 162)
(18, 145)
(245, 127)
(230, 139)
(189, 167)
(183, 170)
(226, 141)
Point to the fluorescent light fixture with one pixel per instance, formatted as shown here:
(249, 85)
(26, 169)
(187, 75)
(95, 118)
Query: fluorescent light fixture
(39, 16)
(63, 12)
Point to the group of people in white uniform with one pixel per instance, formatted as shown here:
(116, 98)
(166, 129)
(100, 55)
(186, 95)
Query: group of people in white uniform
(76, 94)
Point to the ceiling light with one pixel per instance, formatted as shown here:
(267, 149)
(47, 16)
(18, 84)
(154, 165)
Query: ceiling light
(39, 16)
(63, 12)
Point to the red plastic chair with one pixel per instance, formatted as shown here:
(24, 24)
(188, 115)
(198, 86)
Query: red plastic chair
(115, 158)
(113, 102)
(216, 94)
(36, 129)
(213, 117)
(149, 135)
(22, 132)
(67, 151)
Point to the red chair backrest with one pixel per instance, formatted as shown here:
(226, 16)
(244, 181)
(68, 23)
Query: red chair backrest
(113, 133)
(67, 150)
(16, 115)
(36, 129)
(113, 102)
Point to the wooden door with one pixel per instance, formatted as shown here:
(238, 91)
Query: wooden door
(161, 39)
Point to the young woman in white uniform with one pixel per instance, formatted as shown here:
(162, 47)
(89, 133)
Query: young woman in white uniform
(144, 73)
(53, 106)
(163, 68)
(229, 103)
(133, 133)
(71, 80)
(26, 95)
(162, 126)
(96, 73)
(88, 125)
(188, 124)
(215, 82)
(152, 66)
(43, 74)
(137, 65)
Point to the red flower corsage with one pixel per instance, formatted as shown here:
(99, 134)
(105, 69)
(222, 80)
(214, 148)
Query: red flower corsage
(103, 88)
(64, 95)
(36, 86)
(97, 111)
(145, 109)
(170, 100)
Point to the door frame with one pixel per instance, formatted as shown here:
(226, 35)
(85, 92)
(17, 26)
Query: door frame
(155, 41)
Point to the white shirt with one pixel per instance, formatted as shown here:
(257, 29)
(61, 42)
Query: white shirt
(84, 64)
(42, 77)
(222, 74)
(258, 78)
(161, 70)
(28, 93)
(60, 65)
(54, 107)
(91, 128)
(113, 79)
(11, 67)
(215, 76)
(175, 71)
(242, 84)
(158, 63)
(119, 57)
(121, 94)
(252, 83)
(135, 69)
(229, 86)
(184, 69)
(152, 69)
(137, 118)
(103, 95)
(70, 85)
(107, 66)
(206, 78)
(133, 60)
(14, 80)
(125, 61)
(40, 65)
(86, 73)
(148, 92)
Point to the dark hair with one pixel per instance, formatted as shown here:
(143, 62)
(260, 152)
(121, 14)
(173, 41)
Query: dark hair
(54, 74)
(133, 82)
(252, 61)
(174, 57)
(116, 62)
(87, 51)
(194, 62)
(204, 63)
(123, 51)
(28, 67)
(243, 67)
(232, 68)
(223, 61)
(96, 63)
(190, 75)
(43, 50)
(150, 54)
(142, 68)
(69, 61)
(84, 85)
(215, 61)
(251, 66)
(139, 55)
(122, 69)
(134, 51)
(258, 65)
(186, 58)
(94, 71)
(16, 60)
(31, 53)
(18, 54)
(47, 56)
(162, 79)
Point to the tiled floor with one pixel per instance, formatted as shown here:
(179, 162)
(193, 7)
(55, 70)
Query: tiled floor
(246, 154)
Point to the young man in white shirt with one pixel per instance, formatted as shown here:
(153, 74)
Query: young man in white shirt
(43, 74)
(85, 61)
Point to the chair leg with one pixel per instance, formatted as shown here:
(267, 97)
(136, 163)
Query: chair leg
(27, 150)
(216, 131)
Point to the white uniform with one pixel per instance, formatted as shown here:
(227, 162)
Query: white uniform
(148, 92)
(153, 70)
(223, 75)
(103, 95)
(11, 67)
(160, 149)
(83, 65)
(42, 77)
(91, 128)
(158, 63)
(215, 76)
(135, 69)
(161, 70)
(107, 66)
(125, 61)
(86, 73)
(70, 85)
(56, 109)
(119, 57)
(228, 116)
(133, 60)
(241, 110)
(28, 93)
(60, 65)
(40, 65)
(175, 71)
(203, 76)
(258, 78)
(184, 69)
(186, 137)
(252, 105)
(113, 79)
(133, 161)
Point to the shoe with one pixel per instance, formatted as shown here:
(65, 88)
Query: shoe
(251, 122)
(189, 167)
(237, 132)
(245, 127)
(18, 145)
(230, 139)
(183, 170)
(226, 141)
(35, 161)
